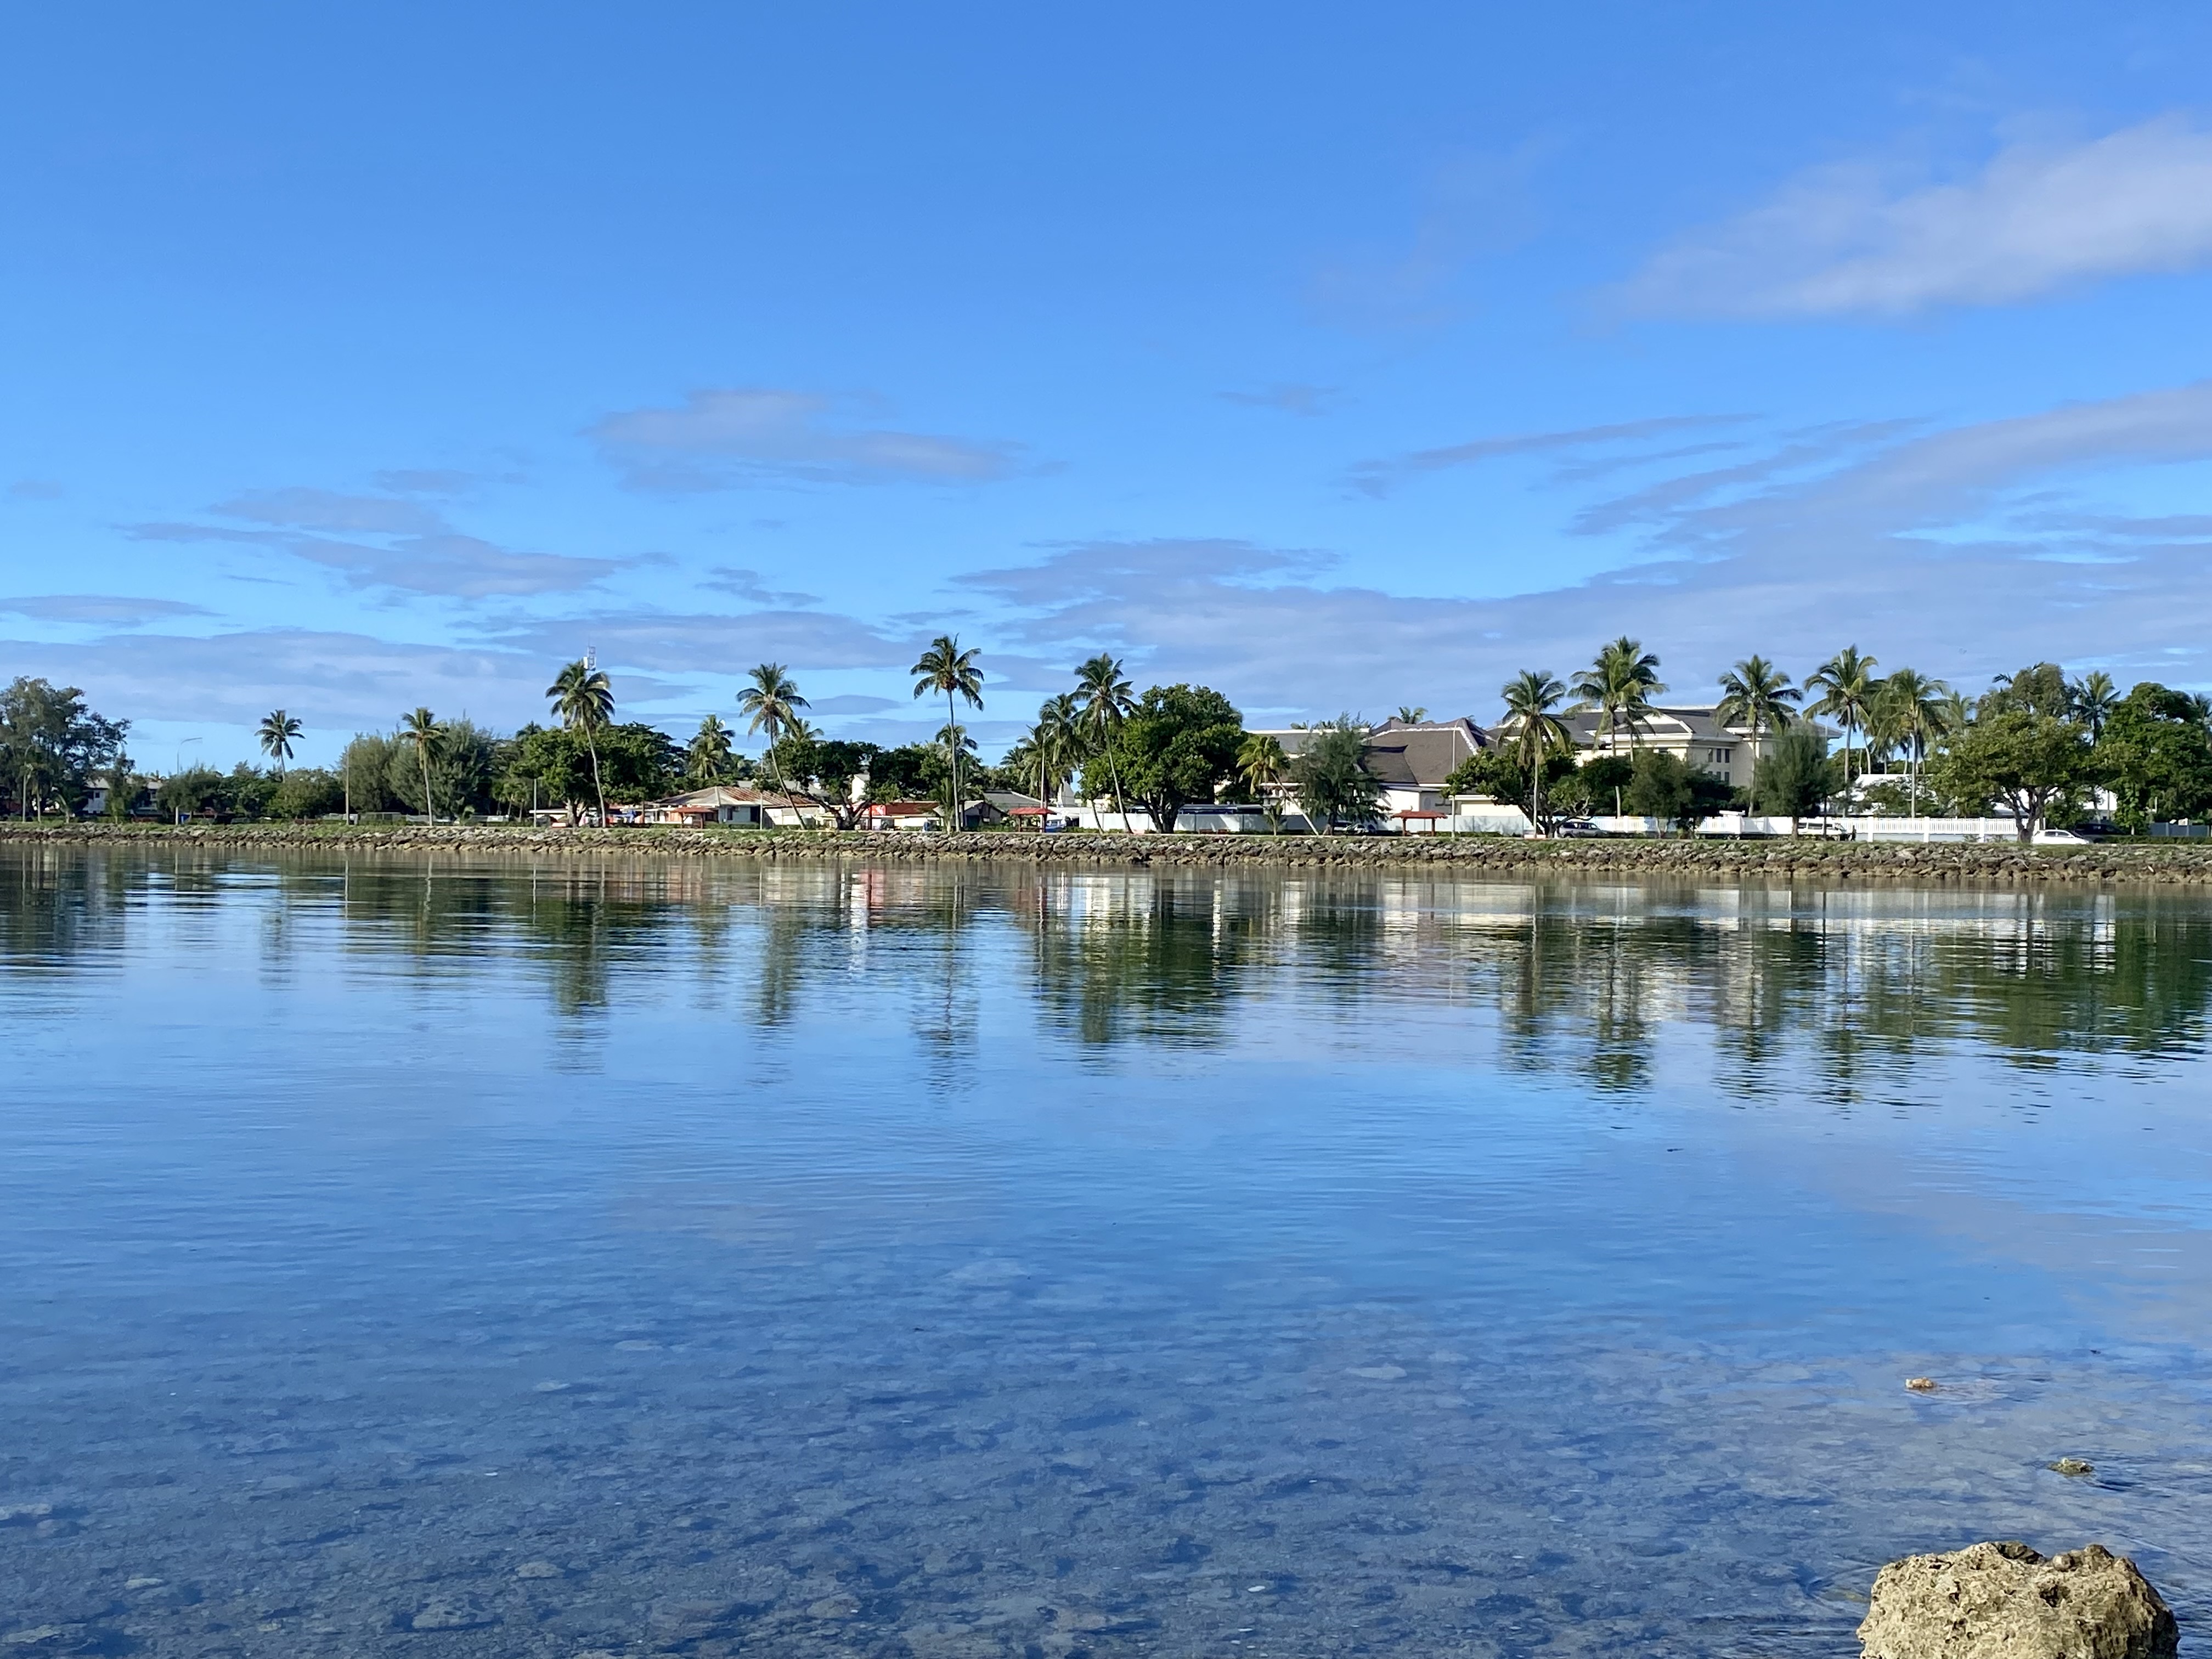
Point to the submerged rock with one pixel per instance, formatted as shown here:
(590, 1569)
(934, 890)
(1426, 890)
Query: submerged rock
(2075, 1465)
(2005, 1601)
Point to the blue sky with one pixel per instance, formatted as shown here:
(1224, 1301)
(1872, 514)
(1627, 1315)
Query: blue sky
(1337, 357)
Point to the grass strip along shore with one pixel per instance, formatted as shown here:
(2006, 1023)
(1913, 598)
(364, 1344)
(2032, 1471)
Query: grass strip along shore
(2002, 864)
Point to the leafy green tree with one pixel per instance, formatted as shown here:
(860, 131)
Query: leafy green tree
(584, 697)
(306, 792)
(1797, 778)
(1848, 686)
(635, 761)
(1599, 785)
(421, 731)
(1174, 748)
(51, 745)
(277, 731)
(1660, 786)
(2027, 762)
(2156, 755)
(1104, 695)
(194, 791)
(945, 668)
(1619, 686)
(1501, 774)
(1331, 776)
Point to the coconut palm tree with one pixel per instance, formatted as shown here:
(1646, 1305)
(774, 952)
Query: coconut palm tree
(1410, 713)
(279, 728)
(1956, 709)
(709, 749)
(584, 697)
(422, 730)
(1262, 764)
(771, 704)
(945, 667)
(1530, 697)
(1848, 686)
(2094, 699)
(1106, 701)
(1909, 709)
(1619, 686)
(1757, 694)
(1052, 744)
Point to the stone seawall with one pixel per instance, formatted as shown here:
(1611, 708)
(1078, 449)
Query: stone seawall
(2000, 864)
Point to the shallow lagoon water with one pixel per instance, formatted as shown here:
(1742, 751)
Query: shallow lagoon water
(497, 1259)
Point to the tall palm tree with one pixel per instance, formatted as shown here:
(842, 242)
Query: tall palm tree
(709, 749)
(1757, 694)
(279, 728)
(1053, 744)
(945, 667)
(422, 729)
(1531, 695)
(1411, 715)
(1911, 709)
(2094, 699)
(1848, 686)
(1619, 686)
(771, 704)
(584, 697)
(1106, 701)
(1956, 709)
(1262, 764)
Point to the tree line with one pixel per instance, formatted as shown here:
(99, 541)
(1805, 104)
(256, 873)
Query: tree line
(2035, 745)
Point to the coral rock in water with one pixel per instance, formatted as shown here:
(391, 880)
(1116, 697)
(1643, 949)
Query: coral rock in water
(2005, 1601)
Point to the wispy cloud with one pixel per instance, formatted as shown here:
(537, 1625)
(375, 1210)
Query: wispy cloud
(720, 643)
(724, 439)
(34, 489)
(383, 541)
(99, 610)
(1852, 240)
(1378, 478)
(329, 679)
(1960, 551)
(750, 587)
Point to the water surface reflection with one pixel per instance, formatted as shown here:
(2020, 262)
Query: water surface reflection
(670, 1257)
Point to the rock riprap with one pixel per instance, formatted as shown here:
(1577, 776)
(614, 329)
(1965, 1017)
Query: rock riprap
(2006, 1602)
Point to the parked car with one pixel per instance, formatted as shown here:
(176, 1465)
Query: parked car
(1580, 828)
(2060, 838)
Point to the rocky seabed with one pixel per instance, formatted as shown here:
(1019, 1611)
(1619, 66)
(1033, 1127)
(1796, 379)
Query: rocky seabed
(2003, 865)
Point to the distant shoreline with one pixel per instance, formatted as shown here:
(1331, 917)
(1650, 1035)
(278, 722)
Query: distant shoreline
(2004, 865)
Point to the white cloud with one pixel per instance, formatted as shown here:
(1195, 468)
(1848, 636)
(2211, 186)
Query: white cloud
(722, 438)
(414, 550)
(329, 678)
(718, 643)
(1378, 478)
(1945, 549)
(1849, 240)
(101, 610)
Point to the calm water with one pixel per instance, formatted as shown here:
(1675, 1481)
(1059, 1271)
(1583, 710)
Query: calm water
(449, 1260)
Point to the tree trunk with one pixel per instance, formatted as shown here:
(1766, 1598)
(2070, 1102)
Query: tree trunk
(429, 801)
(952, 742)
(598, 789)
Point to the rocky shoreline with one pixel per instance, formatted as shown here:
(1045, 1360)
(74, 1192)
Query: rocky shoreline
(2187, 864)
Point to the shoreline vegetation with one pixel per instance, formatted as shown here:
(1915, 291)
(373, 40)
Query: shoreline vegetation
(1992, 863)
